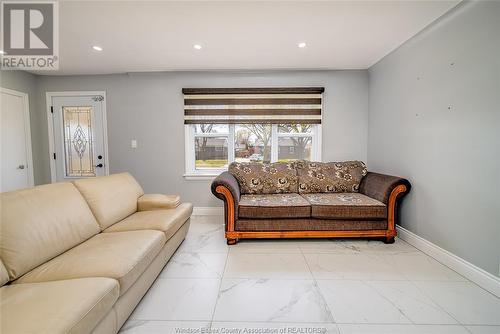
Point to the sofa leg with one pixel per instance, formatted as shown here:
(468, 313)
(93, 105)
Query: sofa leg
(232, 241)
(388, 240)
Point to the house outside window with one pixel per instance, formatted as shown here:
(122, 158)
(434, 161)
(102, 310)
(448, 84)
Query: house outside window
(211, 146)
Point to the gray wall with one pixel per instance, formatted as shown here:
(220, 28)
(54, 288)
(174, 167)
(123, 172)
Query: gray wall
(28, 83)
(149, 107)
(435, 118)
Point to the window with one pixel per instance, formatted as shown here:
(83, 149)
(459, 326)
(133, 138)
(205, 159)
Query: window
(211, 146)
(214, 151)
(297, 141)
(250, 125)
(252, 142)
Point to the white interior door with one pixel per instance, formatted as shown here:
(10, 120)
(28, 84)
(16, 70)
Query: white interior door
(80, 146)
(16, 166)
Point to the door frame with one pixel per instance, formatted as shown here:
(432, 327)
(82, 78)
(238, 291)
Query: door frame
(27, 131)
(50, 122)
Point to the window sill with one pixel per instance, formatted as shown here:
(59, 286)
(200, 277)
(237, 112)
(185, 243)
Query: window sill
(200, 177)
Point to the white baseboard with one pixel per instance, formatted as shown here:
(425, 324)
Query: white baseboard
(208, 211)
(477, 275)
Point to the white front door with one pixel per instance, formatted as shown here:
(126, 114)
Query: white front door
(16, 166)
(79, 136)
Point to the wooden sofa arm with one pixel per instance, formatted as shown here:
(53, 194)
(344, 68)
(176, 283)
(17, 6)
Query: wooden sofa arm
(226, 187)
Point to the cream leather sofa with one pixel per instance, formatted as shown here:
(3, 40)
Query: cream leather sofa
(78, 257)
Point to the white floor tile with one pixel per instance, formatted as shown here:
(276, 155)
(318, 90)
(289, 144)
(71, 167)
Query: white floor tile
(366, 286)
(412, 302)
(484, 329)
(465, 301)
(271, 301)
(204, 237)
(358, 302)
(355, 246)
(322, 246)
(195, 265)
(178, 299)
(284, 266)
(266, 246)
(202, 221)
(352, 266)
(420, 267)
(163, 327)
(401, 329)
(266, 327)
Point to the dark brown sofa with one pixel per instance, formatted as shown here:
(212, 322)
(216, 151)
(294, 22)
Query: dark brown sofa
(308, 200)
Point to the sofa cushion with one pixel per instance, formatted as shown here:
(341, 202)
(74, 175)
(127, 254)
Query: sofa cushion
(273, 206)
(323, 177)
(258, 178)
(148, 202)
(128, 301)
(4, 275)
(40, 223)
(121, 255)
(345, 206)
(69, 306)
(167, 221)
(308, 224)
(111, 198)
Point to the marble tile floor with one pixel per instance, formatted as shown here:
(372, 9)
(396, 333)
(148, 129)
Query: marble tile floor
(308, 286)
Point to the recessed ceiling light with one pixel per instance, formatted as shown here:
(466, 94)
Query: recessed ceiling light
(302, 45)
(197, 46)
(2, 52)
(97, 48)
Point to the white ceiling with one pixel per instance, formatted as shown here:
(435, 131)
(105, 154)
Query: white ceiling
(159, 35)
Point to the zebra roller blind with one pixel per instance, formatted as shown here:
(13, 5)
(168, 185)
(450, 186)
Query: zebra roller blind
(253, 105)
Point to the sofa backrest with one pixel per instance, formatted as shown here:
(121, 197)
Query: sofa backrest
(324, 177)
(111, 198)
(259, 178)
(298, 177)
(40, 223)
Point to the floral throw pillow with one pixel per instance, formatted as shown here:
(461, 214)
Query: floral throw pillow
(326, 177)
(259, 178)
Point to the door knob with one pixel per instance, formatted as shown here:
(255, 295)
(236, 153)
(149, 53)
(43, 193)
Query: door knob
(99, 165)
(20, 167)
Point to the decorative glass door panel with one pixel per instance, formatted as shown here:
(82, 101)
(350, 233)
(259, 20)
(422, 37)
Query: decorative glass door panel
(79, 139)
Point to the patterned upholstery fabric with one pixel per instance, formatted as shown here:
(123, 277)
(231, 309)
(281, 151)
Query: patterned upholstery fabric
(274, 206)
(309, 224)
(325, 177)
(258, 178)
(345, 206)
